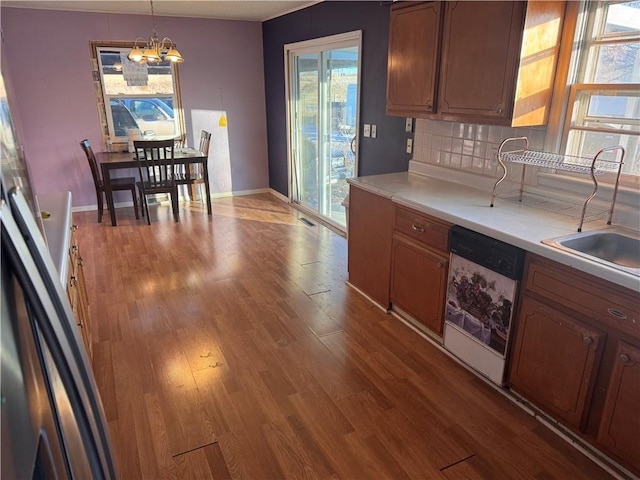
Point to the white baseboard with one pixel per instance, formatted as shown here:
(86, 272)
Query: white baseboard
(94, 207)
(277, 194)
(238, 193)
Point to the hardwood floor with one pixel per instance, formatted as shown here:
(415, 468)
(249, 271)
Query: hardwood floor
(230, 347)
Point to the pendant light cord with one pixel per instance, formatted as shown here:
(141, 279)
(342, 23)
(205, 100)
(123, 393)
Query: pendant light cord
(153, 20)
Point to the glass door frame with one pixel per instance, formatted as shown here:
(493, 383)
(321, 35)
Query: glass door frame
(318, 45)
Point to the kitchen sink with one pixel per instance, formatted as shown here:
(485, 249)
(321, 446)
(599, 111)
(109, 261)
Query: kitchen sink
(616, 247)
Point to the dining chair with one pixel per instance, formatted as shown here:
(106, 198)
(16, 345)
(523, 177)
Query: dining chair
(157, 173)
(126, 183)
(196, 174)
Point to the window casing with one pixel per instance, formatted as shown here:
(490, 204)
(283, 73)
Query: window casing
(604, 97)
(131, 96)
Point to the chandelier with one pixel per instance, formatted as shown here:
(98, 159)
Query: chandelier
(151, 50)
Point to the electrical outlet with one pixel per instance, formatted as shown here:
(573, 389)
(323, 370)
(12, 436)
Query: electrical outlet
(367, 130)
(408, 127)
(374, 131)
(409, 145)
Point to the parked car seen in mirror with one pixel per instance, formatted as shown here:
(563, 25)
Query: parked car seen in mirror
(123, 121)
(153, 116)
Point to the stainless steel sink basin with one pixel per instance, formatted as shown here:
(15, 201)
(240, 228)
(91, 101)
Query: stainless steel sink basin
(616, 247)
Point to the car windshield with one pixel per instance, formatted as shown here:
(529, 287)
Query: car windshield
(148, 108)
(123, 121)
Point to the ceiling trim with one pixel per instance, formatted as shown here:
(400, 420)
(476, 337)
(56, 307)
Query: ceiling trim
(112, 8)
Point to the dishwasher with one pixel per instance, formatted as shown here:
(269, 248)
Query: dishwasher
(482, 286)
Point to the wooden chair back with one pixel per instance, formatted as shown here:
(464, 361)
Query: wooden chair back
(93, 164)
(205, 140)
(155, 163)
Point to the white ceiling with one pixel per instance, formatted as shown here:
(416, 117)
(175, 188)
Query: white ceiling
(229, 10)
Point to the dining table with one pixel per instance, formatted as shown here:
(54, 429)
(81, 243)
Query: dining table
(124, 160)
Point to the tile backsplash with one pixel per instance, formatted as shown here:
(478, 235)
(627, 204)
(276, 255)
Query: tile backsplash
(467, 146)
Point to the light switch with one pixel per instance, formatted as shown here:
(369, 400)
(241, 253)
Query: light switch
(409, 145)
(374, 131)
(408, 127)
(367, 130)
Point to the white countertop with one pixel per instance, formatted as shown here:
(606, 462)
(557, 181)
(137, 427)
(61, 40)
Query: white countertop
(518, 225)
(57, 230)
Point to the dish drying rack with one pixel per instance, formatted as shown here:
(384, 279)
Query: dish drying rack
(567, 163)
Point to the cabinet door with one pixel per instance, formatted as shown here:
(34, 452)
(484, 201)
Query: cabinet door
(554, 361)
(84, 317)
(369, 239)
(480, 48)
(412, 72)
(620, 426)
(418, 282)
(77, 293)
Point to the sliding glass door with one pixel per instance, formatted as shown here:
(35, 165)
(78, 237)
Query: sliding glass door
(323, 98)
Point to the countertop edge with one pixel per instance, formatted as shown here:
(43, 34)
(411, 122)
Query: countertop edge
(57, 230)
(370, 188)
(401, 187)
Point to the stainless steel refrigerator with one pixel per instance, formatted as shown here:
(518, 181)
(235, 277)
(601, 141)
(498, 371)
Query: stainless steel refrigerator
(52, 422)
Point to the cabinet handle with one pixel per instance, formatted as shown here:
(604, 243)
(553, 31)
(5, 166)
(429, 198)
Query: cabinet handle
(624, 358)
(587, 340)
(74, 227)
(74, 249)
(73, 281)
(429, 107)
(417, 228)
(499, 111)
(440, 265)
(616, 313)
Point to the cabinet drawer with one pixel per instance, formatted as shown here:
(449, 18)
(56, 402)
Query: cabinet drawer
(422, 228)
(596, 299)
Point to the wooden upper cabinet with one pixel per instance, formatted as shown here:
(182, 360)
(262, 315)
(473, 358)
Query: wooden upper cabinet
(495, 61)
(480, 49)
(412, 67)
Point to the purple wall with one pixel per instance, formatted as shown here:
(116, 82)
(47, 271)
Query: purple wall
(46, 59)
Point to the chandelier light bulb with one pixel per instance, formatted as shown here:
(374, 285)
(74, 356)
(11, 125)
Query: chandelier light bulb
(135, 55)
(173, 55)
(151, 54)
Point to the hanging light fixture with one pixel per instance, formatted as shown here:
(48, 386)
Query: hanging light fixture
(151, 50)
(222, 121)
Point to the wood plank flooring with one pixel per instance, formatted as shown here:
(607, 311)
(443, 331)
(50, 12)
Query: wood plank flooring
(230, 347)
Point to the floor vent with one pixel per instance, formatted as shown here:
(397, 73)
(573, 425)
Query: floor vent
(307, 222)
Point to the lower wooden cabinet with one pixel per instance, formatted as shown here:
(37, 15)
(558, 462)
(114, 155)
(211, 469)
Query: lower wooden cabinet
(619, 430)
(369, 237)
(418, 282)
(555, 361)
(419, 266)
(576, 355)
(77, 293)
